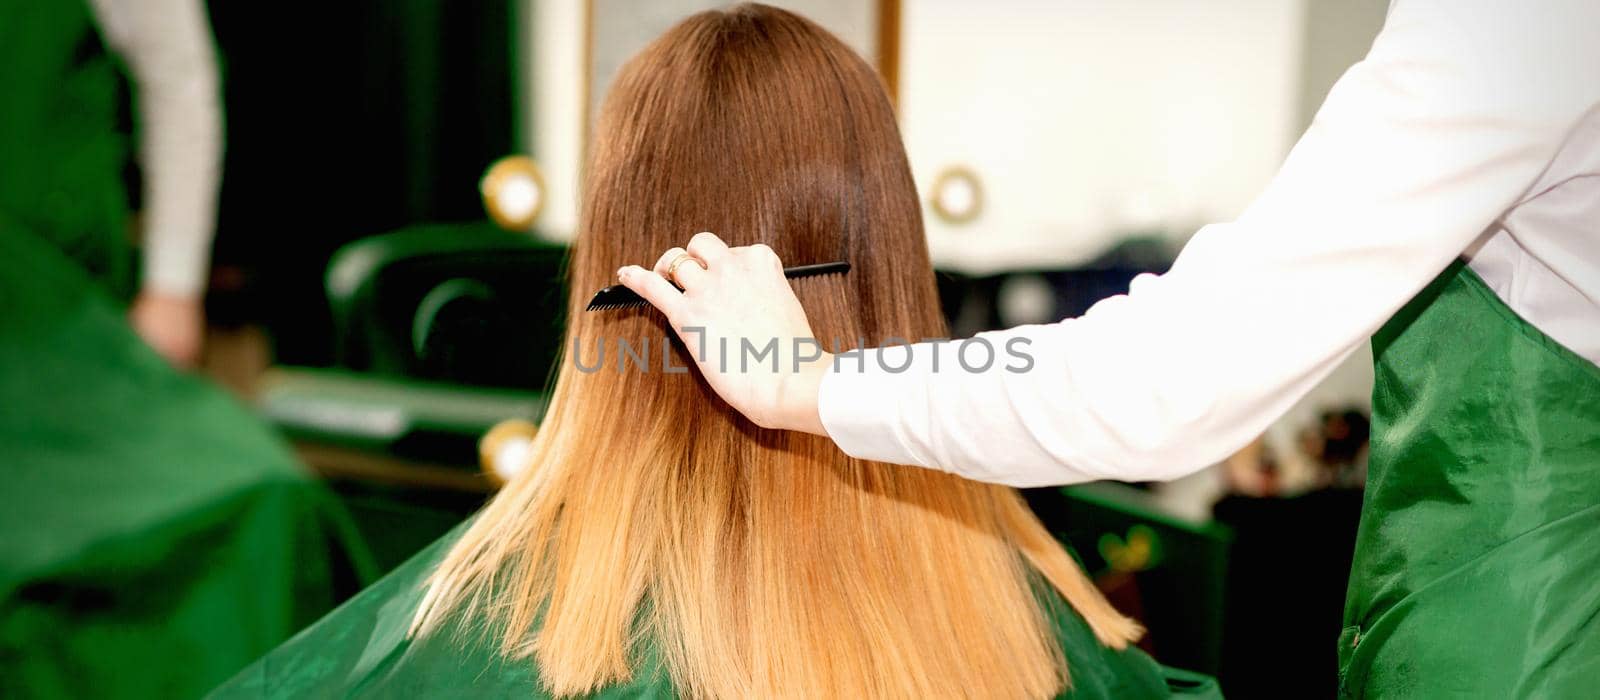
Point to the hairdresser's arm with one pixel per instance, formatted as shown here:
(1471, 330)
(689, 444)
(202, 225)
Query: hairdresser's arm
(167, 45)
(1419, 148)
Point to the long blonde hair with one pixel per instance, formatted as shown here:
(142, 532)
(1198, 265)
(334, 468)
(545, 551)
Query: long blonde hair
(759, 563)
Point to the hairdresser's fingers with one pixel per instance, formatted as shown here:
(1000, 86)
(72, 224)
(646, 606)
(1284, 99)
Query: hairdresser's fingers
(691, 274)
(665, 261)
(760, 256)
(652, 288)
(687, 272)
(708, 247)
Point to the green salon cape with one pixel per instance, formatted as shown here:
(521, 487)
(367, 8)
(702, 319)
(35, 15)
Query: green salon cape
(1477, 565)
(63, 146)
(361, 650)
(155, 536)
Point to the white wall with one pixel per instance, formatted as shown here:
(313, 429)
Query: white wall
(553, 54)
(1337, 34)
(1090, 119)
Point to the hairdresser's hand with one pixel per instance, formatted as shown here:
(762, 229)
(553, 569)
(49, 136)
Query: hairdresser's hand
(171, 324)
(732, 297)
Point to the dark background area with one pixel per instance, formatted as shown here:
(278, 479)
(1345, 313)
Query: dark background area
(345, 120)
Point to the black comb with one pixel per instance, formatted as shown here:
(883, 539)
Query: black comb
(617, 296)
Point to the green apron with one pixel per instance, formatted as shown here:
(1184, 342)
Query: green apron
(62, 152)
(361, 650)
(1477, 570)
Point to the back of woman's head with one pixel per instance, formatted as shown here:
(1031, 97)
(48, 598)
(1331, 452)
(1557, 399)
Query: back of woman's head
(754, 562)
(759, 125)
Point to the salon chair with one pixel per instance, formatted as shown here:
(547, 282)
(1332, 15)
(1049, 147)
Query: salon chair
(440, 332)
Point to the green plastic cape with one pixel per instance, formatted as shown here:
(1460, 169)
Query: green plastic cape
(361, 650)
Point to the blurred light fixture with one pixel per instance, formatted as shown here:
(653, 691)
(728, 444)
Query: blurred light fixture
(956, 195)
(513, 192)
(1141, 550)
(504, 450)
(1025, 299)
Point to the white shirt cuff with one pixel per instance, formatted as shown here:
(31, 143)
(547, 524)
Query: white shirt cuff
(859, 403)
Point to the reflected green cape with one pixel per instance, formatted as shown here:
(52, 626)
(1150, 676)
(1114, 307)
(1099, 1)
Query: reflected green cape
(63, 148)
(155, 536)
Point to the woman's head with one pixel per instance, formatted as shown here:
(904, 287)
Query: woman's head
(755, 562)
(757, 124)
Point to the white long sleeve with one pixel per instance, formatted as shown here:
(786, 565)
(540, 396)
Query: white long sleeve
(167, 45)
(1420, 154)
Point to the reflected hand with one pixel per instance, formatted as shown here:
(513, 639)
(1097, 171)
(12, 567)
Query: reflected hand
(171, 324)
(733, 299)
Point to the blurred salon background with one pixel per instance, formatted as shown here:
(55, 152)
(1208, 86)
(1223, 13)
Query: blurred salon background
(375, 209)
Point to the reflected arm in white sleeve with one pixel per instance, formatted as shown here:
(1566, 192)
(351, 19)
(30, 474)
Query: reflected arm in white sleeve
(167, 45)
(1419, 148)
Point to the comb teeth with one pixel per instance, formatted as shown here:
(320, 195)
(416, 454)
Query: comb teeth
(615, 296)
